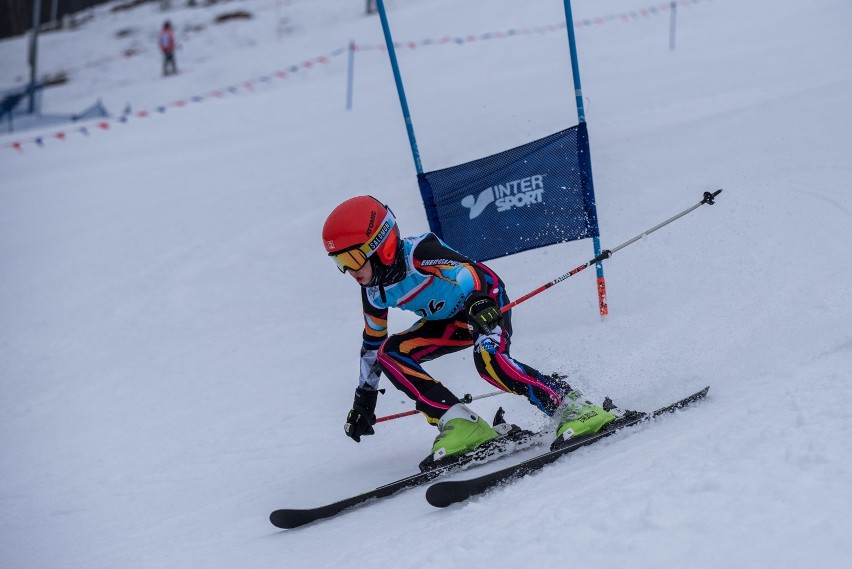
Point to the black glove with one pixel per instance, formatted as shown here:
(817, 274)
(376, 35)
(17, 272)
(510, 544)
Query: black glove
(362, 417)
(483, 314)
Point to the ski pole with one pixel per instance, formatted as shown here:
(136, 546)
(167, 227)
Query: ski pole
(708, 199)
(466, 399)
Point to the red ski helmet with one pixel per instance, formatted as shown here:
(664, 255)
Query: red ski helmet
(357, 229)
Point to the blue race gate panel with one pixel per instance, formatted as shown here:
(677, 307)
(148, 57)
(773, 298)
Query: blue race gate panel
(531, 196)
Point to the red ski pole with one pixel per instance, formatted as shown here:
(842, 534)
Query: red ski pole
(708, 199)
(466, 399)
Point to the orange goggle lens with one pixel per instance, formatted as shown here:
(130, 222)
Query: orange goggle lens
(353, 259)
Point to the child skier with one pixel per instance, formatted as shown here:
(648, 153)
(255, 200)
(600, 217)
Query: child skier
(459, 303)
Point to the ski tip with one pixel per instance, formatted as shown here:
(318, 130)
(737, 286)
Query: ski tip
(697, 396)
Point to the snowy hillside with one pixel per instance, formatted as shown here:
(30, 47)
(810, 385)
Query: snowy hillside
(178, 355)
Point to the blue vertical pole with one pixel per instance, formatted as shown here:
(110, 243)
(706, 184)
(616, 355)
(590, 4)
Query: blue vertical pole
(581, 115)
(399, 89)
(575, 65)
(350, 75)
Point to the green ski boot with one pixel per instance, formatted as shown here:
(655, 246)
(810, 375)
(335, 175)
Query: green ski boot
(578, 418)
(462, 430)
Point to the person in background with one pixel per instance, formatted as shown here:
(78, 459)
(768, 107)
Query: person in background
(167, 46)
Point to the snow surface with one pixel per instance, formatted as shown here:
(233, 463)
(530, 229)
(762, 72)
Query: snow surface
(177, 355)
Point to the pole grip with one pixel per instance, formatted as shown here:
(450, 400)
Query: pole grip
(605, 254)
(710, 199)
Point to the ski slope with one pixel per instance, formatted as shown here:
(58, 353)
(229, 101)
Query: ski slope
(177, 355)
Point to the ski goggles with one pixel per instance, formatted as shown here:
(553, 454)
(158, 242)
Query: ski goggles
(354, 258)
(351, 259)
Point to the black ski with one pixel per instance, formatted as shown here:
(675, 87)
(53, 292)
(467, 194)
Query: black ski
(514, 441)
(442, 494)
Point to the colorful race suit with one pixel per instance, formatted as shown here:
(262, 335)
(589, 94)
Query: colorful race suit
(436, 283)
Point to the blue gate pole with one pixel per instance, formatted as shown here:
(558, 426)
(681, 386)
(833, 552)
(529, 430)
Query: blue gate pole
(581, 115)
(399, 89)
